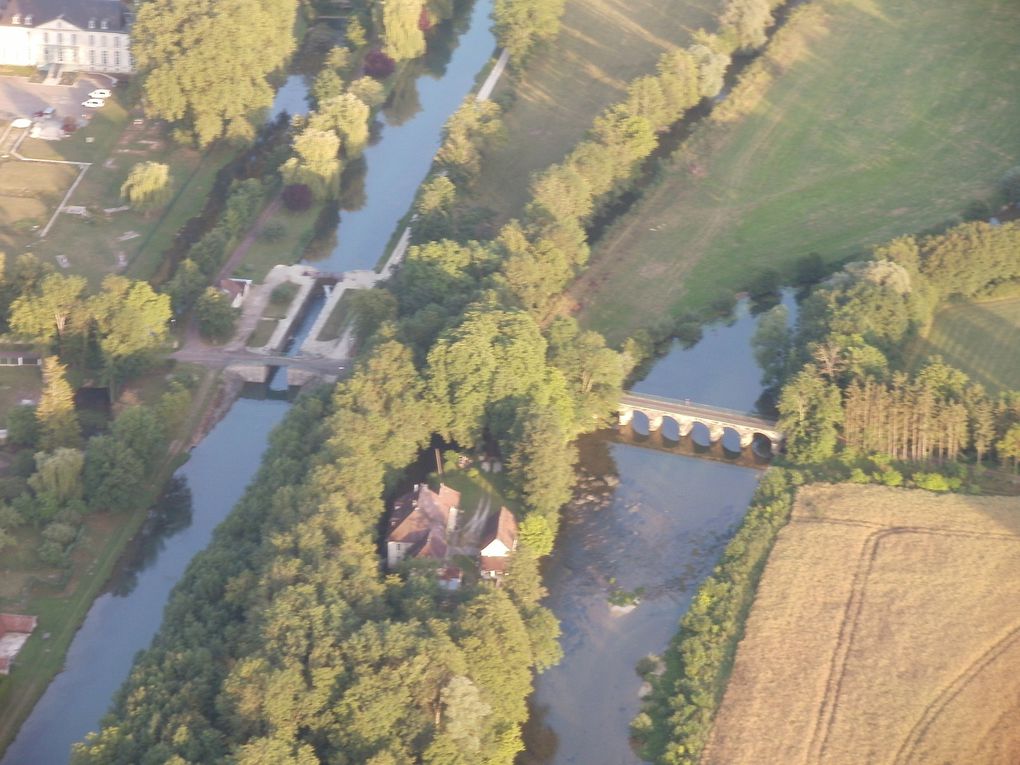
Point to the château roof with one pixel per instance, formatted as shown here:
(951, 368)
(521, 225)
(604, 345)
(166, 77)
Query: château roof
(420, 518)
(77, 12)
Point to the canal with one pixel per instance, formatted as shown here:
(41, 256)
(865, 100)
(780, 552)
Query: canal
(413, 119)
(123, 620)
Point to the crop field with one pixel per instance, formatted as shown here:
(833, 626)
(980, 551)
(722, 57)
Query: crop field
(885, 631)
(979, 338)
(885, 118)
(602, 46)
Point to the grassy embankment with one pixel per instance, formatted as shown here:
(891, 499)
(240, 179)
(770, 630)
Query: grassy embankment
(603, 45)
(61, 600)
(887, 118)
(92, 245)
(979, 338)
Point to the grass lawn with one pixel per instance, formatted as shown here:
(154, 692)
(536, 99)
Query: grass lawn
(298, 230)
(603, 45)
(17, 383)
(104, 242)
(279, 300)
(29, 192)
(893, 117)
(474, 485)
(61, 600)
(980, 339)
(263, 332)
(337, 320)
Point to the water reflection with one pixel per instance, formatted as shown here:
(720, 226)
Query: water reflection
(720, 369)
(291, 97)
(426, 94)
(171, 515)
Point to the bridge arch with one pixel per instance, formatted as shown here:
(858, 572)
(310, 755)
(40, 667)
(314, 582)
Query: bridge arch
(706, 425)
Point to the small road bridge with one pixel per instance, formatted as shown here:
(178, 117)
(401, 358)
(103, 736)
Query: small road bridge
(686, 414)
(220, 357)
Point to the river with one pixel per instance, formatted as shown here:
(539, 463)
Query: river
(659, 531)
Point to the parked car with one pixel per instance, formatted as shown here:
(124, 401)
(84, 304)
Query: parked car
(93, 103)
(100, 93)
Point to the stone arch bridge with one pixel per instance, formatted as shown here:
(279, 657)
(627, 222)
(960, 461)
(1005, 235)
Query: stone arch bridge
(686, 414)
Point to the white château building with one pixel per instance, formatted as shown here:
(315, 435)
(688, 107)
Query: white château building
(80, 35)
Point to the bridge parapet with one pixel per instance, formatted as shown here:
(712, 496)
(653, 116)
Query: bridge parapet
(686, 414)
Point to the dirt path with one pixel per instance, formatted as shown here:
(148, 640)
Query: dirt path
(241, 250)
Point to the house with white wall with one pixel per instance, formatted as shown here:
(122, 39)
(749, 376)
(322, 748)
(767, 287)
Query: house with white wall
(498, 541)
(79, 35)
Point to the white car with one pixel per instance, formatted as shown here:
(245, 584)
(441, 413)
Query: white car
(100, 93)
(93, 103)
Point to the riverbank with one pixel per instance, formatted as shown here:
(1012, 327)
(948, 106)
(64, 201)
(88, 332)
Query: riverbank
(94, 559)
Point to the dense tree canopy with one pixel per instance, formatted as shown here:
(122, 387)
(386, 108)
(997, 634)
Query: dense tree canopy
(204, 62)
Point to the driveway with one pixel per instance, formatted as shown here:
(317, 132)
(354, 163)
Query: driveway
(21, 98)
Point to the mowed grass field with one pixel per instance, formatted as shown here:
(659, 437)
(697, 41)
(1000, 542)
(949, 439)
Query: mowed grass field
(29, 192)
(103, 242)
(982, 339)
(603, 45)
(888, 118)
(885, 630)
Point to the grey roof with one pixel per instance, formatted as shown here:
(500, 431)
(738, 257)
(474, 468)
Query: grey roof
(77, 12)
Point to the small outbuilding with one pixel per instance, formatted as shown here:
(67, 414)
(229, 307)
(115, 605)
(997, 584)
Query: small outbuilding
(15, 630)
(499, 541)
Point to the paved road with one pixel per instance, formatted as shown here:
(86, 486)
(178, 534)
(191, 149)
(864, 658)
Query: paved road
(219, 358)
(21, 98)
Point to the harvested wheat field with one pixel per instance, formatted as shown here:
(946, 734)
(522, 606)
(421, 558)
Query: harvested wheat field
(886, 629)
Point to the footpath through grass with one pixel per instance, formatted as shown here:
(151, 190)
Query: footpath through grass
(603, 45)
(890, 117)
(980, 339)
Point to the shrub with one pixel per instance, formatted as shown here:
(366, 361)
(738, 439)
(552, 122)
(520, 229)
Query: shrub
(379, 65)
(297, 197)
(51, 553)
(935, 482)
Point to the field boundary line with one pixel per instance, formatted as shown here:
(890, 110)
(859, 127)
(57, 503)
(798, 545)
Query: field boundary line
(951, 691)
(855, 604)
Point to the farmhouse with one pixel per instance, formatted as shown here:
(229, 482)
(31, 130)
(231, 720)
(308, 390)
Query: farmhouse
(83, 35)
(14, 631)
(498, 541)
(420, 524)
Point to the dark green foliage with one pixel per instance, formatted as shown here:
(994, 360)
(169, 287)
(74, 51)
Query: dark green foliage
(215, 317)
(22, 427)
(523, 24)
(204, 66)
(114, 476)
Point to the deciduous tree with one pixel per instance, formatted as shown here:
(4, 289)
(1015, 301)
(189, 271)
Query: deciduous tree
(148, 186)
(204, 64)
